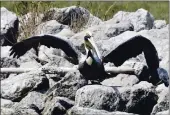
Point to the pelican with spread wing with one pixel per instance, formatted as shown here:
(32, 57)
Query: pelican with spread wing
(92, 67)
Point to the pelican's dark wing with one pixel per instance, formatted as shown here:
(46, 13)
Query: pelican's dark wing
(22, 47)
(132, 48)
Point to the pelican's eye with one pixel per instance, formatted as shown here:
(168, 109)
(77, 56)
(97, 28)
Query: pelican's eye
(87, 37)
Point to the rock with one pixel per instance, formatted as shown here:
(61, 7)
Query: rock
(163, 113)
(7, 111)
(121, 80)
(16, 87)
(141, 19)
(161, 90)
(74, 16)
(25, 111)
(158, 24)
(33, 98)
(97, 97)
(141, 95)
(6, 103)
(163, 103)
(9, 27)
(7, 61)
(84, 111)
(68, 85)
(57, 106)
(93, 21)
(66, 33)
(49, 27)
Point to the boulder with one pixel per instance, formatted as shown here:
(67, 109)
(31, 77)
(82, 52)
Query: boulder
(97, 97)
(163, 103)
(84, 111)
(17, 87)
(49, 27)
(57, 105)
(9, 27)
(93, 21)
(6, 103)
(121, 80)
(68, 85)
(158, 24)
(7, 111)
(141, 95)
(141, 19)
(33, 98)
(163, 113)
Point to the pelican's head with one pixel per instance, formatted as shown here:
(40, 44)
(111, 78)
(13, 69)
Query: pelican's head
(88, 42)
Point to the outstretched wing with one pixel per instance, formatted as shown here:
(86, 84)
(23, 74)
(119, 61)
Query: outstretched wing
(22, 47)
(132, 48)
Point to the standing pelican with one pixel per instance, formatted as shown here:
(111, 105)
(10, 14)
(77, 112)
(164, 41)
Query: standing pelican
(92, 66)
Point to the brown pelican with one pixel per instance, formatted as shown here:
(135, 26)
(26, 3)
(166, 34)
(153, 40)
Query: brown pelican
(92, 67)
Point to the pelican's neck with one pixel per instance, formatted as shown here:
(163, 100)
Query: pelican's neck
(95, 49)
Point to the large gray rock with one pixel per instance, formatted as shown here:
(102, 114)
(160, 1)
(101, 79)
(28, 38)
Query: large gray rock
(11, 111)
(141, 19)
(141, 95)
(6, 103)
(33, 98)
(16, 87)
(97, 97)
(85, 111)
(163, 103)
(158, 24)
(163, 113)
(121, 80)
(49, 27)
(9, 27)
(68, 85)
(57, 105)
(7, 111)
(93, 21)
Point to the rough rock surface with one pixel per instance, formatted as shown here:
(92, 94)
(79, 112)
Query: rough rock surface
(68, 85)
(163, 103)
(158, 24)
(57, 105)
(33, 98)
(141, 95)
(17, 87)
(9, 27)
(97, 97)
(121, 80)
(6, 103)
(49, 27)
(141, 19)
(84, 111)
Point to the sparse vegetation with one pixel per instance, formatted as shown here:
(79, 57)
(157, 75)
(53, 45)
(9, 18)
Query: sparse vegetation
(101, 9)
